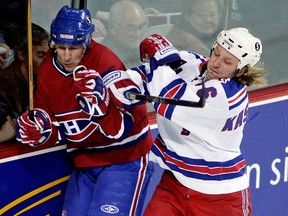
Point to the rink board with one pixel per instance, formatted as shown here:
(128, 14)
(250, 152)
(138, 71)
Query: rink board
(33, 181)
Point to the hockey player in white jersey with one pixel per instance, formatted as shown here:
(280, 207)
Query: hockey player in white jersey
(199, 148)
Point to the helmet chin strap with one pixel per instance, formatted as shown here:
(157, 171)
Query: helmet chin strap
(212, 49)
(237, 72)
(85, 48)
(238, 69)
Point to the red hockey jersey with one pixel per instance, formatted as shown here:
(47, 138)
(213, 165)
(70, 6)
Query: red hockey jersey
(122, 135)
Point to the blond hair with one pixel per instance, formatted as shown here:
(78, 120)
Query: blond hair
(253, 75)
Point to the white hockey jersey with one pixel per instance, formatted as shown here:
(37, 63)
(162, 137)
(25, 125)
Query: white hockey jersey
(201, 146)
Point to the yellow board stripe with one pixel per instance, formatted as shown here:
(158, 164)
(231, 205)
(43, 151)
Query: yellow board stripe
(33, 193)
(57, 193)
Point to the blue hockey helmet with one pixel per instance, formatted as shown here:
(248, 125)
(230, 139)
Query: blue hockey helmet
(71, 27)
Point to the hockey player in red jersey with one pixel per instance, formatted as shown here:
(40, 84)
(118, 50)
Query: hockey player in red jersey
(199, 148)
(107, 137)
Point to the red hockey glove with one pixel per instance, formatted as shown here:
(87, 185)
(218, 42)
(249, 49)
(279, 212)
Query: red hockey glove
(34, 132)
(92, 95)
(158, 51)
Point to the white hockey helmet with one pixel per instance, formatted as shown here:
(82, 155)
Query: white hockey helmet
(240, 43)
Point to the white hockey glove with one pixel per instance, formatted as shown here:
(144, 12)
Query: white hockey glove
(92, 95)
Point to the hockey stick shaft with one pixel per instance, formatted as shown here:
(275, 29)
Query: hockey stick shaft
(30, 60)
(173, 101)
(149, 98)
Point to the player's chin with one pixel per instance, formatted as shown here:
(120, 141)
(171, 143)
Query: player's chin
(212, 75)
(69, 68)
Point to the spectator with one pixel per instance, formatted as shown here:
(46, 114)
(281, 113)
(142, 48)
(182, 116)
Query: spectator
(199, 147)
(7, 131)
(102, 14)
(199, 24)
(102, 8)
(14, 85)
(13, 21)
(126, 25)
(107, 137)
(7, 124)
(6, 56)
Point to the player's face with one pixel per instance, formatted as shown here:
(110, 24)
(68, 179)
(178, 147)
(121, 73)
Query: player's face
(222, 64)
(69, 56)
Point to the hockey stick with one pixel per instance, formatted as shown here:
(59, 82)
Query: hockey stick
(30, 60)
(173, 101)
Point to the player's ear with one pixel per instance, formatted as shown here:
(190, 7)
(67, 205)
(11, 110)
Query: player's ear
(84, 47)
(242, 71)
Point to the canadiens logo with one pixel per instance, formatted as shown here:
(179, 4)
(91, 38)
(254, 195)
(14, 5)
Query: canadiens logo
(110, 209)
(76, 125)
